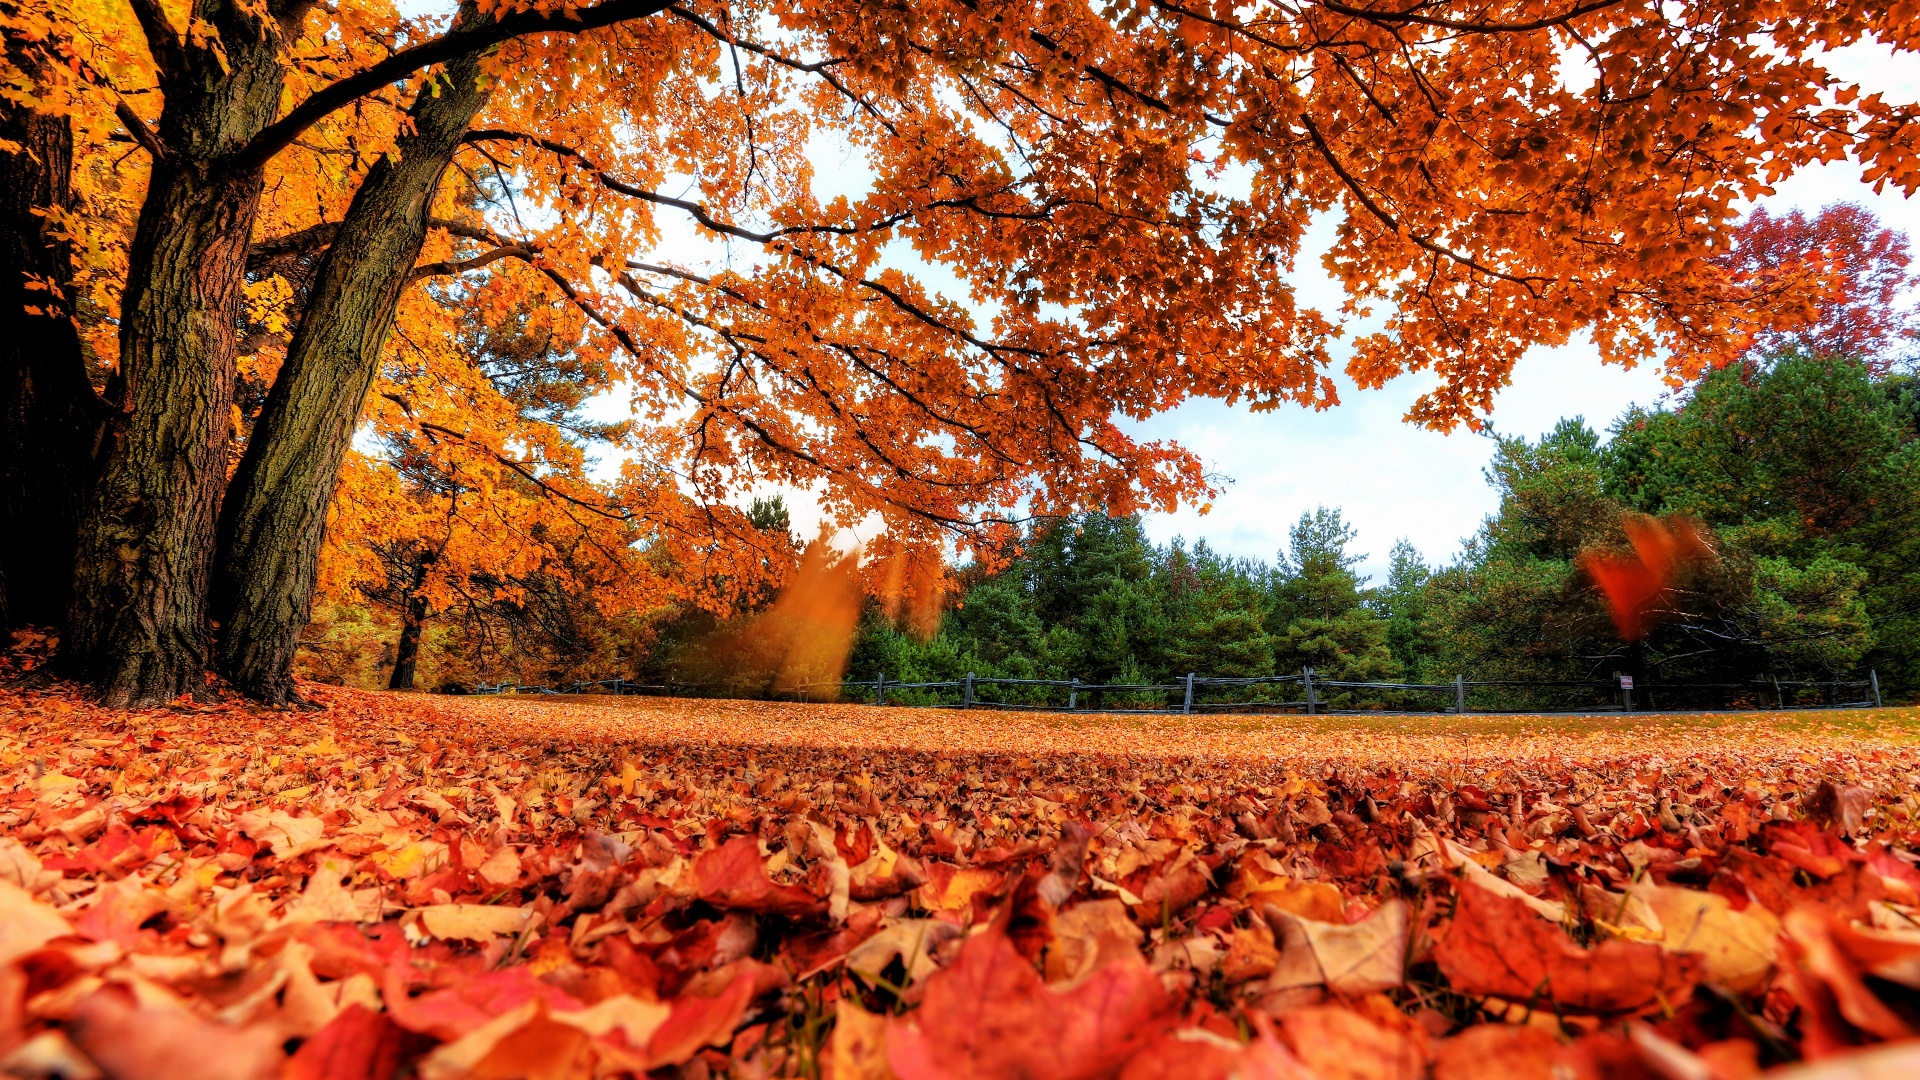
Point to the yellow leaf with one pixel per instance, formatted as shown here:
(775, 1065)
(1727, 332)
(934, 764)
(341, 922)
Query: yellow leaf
(26, 923)
(287, 835)
(473, 922)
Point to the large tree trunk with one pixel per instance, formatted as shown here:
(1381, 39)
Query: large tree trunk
(413, 614)
(137, 625)
(50, 416)
(274, 519)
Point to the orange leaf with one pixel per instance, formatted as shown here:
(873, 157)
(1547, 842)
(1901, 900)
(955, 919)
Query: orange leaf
(733, 876)
(1498, 946)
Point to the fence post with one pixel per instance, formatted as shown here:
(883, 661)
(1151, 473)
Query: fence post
(1306, 676)
(1460, 694)
(966, 695)
(1187, 705)
(1073, 696)
(880, 689)
(1873, 677)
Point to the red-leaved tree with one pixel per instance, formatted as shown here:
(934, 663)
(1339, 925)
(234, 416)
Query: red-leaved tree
(1838, 282)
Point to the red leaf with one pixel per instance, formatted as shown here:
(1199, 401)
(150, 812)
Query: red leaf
(358, 1045)
(698, 1022)
(1801, 843)
(989, 1014)
(130, 1041)
(733, 876)
(1196, 1054)
(1634, 585)
(450, 1013)
(1498, 946)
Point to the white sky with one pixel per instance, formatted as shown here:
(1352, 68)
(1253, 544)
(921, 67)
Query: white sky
(1390, 479)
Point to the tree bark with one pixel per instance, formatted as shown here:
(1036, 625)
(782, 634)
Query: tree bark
(137, 622)
(413, 613)
(274, 519)
(50, 416)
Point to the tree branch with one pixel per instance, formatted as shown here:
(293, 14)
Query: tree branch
(450, 267)
(1359, 193)
(456, 42)
(163, 41)
(1412, 18)
(141, 133)
(774, 241)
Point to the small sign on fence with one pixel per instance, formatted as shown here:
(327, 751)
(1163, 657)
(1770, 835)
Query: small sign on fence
(1626, 682)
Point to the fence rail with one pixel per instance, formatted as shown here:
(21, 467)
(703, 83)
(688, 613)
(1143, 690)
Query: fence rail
(1620, 693)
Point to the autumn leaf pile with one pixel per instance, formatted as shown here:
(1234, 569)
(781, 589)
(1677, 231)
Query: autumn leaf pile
(444, 888)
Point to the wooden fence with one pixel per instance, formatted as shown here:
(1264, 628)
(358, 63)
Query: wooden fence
(1315, 695)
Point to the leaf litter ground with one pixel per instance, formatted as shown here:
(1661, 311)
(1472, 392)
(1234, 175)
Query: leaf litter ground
(440, 887)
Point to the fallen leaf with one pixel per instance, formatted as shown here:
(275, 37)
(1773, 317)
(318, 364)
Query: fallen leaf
(1091, 935)
(1337, 1043)
(1737, 948)
(1250, 955)
(989, 1014)
(953, 888)
(18, 866)
(1496, 946)
(857, 1048)
(500, 869)
(734, 877)
(47, 1056)
(912, 941)
(359, 1044)
(1900, 1061)
(473, 922)
(1173, 889)
(1512, 1052)
(1200, 1054)
(523, 1043)
(696, 1022)
(1808, 928)
(287, 835)
(325, 899)
(1357, 958)
(26, 924)
(132, 1040)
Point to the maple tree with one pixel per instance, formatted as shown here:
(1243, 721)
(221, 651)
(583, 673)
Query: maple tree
(1845, 272)
(1092, 178)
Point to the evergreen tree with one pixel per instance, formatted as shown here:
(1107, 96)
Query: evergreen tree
(1403, 604)
(1320, 611)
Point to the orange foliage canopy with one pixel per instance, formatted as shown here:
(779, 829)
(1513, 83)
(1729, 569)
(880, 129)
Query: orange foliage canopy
(1057, 218)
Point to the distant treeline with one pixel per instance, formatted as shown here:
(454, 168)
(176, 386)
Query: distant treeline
(1806, 470)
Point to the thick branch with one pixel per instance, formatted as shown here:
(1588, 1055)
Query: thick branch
(141, 133)
(312, 239)
(163, 41)
(438, 50)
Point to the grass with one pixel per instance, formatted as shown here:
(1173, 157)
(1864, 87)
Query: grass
(1360, 736)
